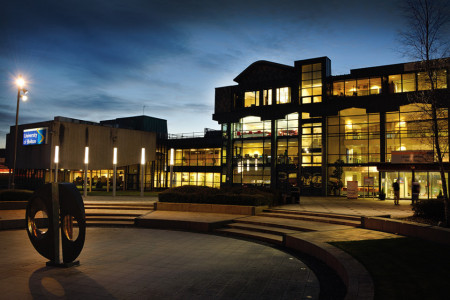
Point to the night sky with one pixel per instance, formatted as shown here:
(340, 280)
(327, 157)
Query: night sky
(102, 59)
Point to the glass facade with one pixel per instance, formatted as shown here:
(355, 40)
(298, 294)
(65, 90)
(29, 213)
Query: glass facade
(357, 87)
(311, 83)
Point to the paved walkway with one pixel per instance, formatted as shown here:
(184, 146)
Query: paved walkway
(132, 263)
(357, 207)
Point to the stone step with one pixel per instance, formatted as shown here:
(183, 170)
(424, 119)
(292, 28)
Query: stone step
(108, 223)
(260, 228)
(118, 207)
(317, 214)
(109, 218)
(291, 224)
(266, 237)
(313, 218)
(129, 213)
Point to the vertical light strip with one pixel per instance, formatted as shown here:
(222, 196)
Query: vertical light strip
(172, 157)
(115, 156)
(256, 164)
(56, 154)
(143, 156)
(86, 155)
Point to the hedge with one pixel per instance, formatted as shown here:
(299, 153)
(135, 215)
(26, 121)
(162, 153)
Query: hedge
(207, 195)
(15, 195)
(430, 209)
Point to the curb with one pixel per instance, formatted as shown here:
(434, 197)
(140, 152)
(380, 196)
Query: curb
(411, 229)
(356, 278)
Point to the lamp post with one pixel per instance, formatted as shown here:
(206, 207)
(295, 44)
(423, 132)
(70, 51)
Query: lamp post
(86, 162)
(142, 171)
(20, 89)
(114, 170)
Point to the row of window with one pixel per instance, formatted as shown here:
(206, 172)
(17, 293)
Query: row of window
(311, 87)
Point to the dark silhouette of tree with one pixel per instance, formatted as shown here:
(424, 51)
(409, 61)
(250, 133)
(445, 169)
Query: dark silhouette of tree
(426, 38)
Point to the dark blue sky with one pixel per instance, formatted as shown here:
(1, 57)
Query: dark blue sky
(101, 59)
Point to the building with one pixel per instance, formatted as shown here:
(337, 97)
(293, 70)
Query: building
(38, 142)
(299, 125)
(197, 158)
(281, 126)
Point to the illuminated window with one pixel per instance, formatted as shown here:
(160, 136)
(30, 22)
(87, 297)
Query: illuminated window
(267, 97)
(251, 99)
(311, 84)
(439, 79)
(338, 88)
(408, 82)
(283, 95)
(350, 88)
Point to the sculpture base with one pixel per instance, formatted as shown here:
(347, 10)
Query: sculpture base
(63, 265)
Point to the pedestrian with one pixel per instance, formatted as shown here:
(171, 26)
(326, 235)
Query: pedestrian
(415, 192)
(396, 188)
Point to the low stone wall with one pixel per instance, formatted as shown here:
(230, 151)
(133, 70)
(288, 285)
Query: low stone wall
(210, 208)
(411, 229)
(355, 277)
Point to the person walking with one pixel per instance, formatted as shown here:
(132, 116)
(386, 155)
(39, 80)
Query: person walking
(396, 188)
(415, 192)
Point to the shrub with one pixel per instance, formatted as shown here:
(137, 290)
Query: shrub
(430, 209)
(15, 195)
(207, 195)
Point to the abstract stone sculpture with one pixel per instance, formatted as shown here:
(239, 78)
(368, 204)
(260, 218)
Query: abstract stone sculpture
(63, 205)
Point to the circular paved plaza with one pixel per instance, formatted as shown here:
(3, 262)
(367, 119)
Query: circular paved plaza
(130, 263)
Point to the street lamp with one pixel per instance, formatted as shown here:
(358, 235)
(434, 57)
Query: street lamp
(21, 93)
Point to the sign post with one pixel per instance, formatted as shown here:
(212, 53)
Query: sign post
(352, 189)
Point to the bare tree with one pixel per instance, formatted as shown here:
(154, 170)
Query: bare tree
(425, 39)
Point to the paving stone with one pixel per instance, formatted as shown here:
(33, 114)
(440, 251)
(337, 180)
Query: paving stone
(145, 263)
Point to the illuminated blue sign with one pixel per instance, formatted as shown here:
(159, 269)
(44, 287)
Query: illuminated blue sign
(35, 136)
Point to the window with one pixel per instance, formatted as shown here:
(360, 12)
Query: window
(350, 88)
(358, 87)
(338, 88)
(251, 99)
(311, 84)
(439, 79)
(267, 97)
(283, 95)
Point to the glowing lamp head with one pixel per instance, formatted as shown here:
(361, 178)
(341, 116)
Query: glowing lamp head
(143, 156)
(20, 82)
(24, 97)
(115, 156)
(171, 163)
(86, 155)
(56, 154)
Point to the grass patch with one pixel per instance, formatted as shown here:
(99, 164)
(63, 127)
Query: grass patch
(404, 268)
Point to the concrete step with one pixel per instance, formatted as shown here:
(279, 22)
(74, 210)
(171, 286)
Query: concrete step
(266, 237)
(317, 214)
(312, 218)
(109, 218)
(101, 212)
(260, 228)
(107, 223)
(291, 224)
(118, 207)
